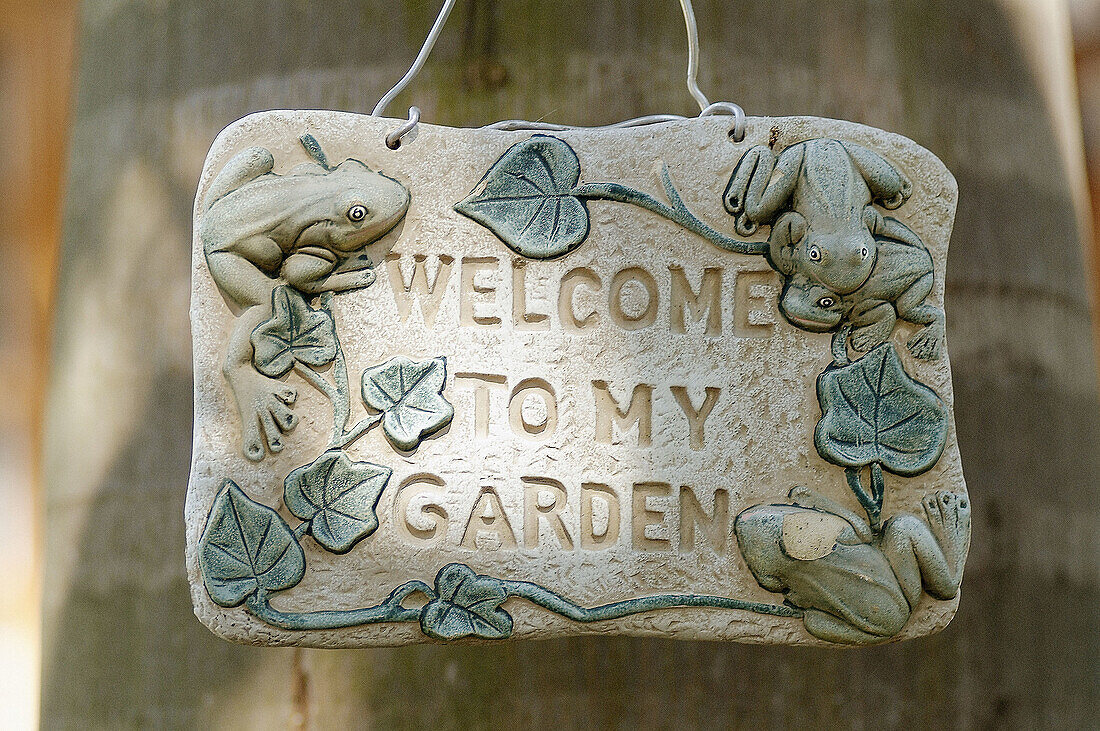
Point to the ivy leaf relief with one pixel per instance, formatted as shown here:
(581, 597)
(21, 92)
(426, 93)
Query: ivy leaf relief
(526, 198)
(295, 332)
(873, 411)
(337, 497)
(467, 605)
(410, 394)
(246, 548)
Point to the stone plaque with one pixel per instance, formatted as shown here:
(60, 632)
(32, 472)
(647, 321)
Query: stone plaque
(505, 384)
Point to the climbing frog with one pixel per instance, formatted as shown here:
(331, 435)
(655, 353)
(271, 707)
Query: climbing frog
(817, 195)
(306, 229)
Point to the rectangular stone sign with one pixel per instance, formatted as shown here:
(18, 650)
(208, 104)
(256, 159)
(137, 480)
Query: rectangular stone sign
(481, 384)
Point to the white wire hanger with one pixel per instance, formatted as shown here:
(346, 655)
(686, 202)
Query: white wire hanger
(706, 108)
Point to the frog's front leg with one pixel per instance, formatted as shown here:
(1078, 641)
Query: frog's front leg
(928, 342)
(313, 274)
(825, 626)
(344, 281)
(891, 228)
(873, 322)
(807, 498)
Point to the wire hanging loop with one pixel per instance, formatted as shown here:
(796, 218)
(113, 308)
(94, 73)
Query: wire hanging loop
(418, 63)
(693, 56)
(740, 121)
(706, 108)
(393, 139)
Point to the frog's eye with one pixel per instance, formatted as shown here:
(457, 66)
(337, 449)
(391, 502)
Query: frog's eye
(863, 252)
(357, 213)
(815, 253)
(826, 302)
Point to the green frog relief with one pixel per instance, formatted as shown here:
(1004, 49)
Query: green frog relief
(855, 585)
(306, 229)
(279, 246)
(845, 266)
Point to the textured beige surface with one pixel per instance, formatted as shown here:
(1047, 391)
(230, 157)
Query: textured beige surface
(757, 440)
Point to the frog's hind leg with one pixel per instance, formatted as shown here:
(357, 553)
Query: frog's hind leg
(244, 166)
(753, 194)
(751, 173)
(825, 626)
(927, 344)
(887, 184)
(263, 403)
(929, 556)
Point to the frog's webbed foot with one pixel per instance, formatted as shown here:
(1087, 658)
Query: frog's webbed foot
(264, 407)
(927, 344)
(949, 520)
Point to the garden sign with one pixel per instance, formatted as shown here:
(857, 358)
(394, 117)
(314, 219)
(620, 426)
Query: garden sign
(486, 384)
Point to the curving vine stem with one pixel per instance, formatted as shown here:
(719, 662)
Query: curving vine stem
(677, 212)
(391, 609)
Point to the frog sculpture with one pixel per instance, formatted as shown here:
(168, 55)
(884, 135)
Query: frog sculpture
(307, 229)
(846, 267)
(855, 586)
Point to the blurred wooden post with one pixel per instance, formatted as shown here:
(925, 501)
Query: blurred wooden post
(156, 83)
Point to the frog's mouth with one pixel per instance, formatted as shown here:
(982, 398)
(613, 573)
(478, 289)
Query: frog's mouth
(318, 252)
(814, 326)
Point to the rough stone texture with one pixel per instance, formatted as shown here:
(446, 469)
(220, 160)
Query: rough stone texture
(758, 438)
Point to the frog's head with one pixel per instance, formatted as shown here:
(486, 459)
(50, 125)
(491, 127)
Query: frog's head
(810, 306)
(841, 259)
(364, 205)
(839, 256)
(759, 532)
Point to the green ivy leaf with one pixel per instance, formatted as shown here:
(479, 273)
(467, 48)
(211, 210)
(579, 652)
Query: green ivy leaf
(873, 411)
(410, 394)
(295, 332)
(245, 548)
(526, 198)
(337, 497)
(467, 605)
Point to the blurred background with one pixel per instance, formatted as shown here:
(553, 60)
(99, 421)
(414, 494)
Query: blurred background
(37, 39)
(37, 51)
